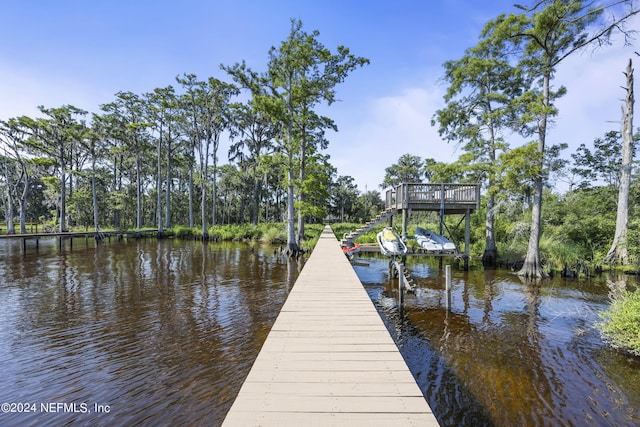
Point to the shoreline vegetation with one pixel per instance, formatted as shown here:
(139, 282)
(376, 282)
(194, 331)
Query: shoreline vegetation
(267, 233)
(620, 324)
(557, 258)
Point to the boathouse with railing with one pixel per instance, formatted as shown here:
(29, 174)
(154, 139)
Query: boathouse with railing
(444, 198)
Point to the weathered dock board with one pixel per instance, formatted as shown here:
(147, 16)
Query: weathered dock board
(329, 360)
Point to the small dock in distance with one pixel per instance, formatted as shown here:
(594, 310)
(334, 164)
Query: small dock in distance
(70, 235)
(328, 359)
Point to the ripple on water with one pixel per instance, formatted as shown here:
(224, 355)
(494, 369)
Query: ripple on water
(162, 332)
(509, 352)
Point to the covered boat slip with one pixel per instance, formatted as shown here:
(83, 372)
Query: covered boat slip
(329, 360)
(446, 199)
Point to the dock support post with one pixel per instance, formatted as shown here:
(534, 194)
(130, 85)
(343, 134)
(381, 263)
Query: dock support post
(467, 239)
(400, 268)
(447, 286)
(405, 217)
(442, 209)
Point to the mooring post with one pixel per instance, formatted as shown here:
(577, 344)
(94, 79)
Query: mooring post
(447, 286)
(405, 220)
(467, 238)
(442, 198)
(400, 268)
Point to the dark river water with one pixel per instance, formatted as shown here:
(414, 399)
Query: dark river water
(508, 353)
(134, 332)
(146, 332)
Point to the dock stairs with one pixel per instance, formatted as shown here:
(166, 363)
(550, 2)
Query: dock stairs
(348, 238)
(381, 217)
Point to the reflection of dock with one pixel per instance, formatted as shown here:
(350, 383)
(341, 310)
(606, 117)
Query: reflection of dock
(329, 360)
(61, 236)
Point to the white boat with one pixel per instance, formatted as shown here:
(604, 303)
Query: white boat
(390, 243)
(426, 241)
(431, 241)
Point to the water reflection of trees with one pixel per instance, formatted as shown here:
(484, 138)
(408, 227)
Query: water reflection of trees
(148, 325)
(494, 339)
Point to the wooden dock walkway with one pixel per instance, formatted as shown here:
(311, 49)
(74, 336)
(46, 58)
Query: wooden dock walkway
(329, 360)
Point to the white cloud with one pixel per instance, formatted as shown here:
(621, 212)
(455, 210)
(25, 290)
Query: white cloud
(391, 126)
(18, 93)
(592, 105)
(24, 89)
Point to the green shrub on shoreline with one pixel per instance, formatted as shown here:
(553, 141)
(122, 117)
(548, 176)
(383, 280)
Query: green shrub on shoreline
(621, 323)
(272, 233)
(268, 233)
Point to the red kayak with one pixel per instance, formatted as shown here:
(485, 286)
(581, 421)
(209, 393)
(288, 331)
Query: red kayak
(351, 249)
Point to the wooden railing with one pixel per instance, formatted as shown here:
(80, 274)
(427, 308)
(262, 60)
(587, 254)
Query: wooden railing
(433, 196)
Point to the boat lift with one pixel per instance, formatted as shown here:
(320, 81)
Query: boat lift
(446, 199)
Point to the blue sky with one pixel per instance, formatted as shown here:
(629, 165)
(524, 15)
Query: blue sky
(82, 52)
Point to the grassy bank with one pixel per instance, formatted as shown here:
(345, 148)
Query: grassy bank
(270, 233)
(620, 326)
